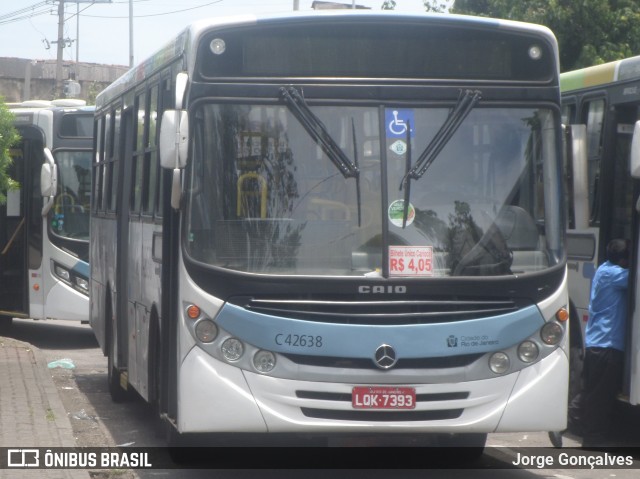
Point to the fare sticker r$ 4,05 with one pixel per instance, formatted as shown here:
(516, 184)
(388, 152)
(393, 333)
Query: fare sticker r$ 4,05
(411, 260)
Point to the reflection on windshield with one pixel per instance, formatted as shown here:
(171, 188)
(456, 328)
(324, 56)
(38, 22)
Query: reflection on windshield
(69, 216)
(263, 197)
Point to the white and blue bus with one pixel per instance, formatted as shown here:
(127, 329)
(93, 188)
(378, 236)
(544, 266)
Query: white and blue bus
(334, 224)
(44, 226)
(601, 102)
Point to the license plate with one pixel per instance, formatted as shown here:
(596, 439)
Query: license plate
(383, 397)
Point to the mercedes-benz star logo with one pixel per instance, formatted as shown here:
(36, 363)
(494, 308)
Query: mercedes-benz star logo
(385, 356)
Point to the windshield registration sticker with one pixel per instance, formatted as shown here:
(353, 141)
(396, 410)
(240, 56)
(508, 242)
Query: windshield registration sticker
(410, 260)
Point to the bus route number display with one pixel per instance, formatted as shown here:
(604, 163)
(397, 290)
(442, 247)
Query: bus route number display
(411, 260)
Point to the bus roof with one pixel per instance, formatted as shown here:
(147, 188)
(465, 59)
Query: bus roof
(187, 40)
(603, 74)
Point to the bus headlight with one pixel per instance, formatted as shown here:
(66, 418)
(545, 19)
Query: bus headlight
(82, 284)
(551, 333)
(264, 361)
(62, 273)
(528, 351)
(232, 349)
(206, 330)
(499, 363)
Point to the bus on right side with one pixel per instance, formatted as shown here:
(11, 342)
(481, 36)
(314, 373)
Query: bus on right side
(601, 112)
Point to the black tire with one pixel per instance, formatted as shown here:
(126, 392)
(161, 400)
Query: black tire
(469, 447)
(5, 324)
(118, 394)
(154, 372)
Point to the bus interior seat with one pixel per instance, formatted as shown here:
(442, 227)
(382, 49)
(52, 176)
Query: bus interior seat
(518, 228)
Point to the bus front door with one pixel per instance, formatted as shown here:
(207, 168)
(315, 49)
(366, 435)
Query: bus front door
(13, 265)
(21, 291)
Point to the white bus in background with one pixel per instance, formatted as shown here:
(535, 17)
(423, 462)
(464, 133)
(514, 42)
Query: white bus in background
(347, 223)
(602, 103)
(44, 226)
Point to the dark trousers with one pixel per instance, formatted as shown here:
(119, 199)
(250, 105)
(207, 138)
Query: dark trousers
(602, 376)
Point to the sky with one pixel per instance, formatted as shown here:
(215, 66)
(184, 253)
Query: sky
(28, 27)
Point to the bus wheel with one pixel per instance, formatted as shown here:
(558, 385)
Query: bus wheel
(117, 392)
(5, 323)
(469, 447)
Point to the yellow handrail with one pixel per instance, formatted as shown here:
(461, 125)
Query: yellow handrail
(13, 237)
(243, 193)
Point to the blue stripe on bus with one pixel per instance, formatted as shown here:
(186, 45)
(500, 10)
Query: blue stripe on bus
(81, 268)
(360, 341)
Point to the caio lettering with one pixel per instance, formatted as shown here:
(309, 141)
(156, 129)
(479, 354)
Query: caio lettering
(382, 289)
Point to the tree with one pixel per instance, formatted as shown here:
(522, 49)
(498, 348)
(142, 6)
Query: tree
(435, 6)
(589, 32)
(8, 137)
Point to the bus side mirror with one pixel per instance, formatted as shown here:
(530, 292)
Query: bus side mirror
(48, 181)
(634, 163)
(174, 136)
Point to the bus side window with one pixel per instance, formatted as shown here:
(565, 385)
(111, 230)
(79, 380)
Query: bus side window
(593, 112)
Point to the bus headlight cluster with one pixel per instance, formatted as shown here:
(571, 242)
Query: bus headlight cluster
(72, 278)
(221, 345)
(531, 349)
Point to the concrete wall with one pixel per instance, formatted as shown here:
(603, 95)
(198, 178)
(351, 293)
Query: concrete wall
(23, 79)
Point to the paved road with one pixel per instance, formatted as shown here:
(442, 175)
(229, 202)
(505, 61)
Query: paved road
(97, 421)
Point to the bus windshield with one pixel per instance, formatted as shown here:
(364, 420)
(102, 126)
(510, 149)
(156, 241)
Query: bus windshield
(69, 218)
(263, 197)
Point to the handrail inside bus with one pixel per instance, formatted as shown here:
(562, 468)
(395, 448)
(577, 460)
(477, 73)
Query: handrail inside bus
(13, 237)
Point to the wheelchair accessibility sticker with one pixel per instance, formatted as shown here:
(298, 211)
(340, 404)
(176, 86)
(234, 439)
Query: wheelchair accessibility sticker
(398, 121)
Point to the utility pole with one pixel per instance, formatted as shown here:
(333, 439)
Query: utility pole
(77, 33)
(130, 33)
(60, 46)
(296, 4)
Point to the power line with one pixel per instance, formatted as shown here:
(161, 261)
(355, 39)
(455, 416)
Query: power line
(35, 10)
(23, 10)
(155, 14)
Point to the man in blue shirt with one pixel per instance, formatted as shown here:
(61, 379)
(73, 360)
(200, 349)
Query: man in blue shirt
(605, 343)
(591, 411)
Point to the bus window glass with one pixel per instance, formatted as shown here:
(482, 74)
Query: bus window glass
(150, 157)
(568, 113)
(280, 206)
(72, 125)
(70, 214)
(595, 117)
(141, 115)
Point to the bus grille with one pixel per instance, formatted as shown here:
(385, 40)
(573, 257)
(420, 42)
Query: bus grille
(382, 416)
(403, 363)
(389, 312)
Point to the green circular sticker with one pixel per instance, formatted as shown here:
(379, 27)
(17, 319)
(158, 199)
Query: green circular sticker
(396, 213)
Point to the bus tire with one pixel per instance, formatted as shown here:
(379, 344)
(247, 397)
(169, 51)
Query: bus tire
(154, 364)
(469, 447)
(118, 394)
(5, 323)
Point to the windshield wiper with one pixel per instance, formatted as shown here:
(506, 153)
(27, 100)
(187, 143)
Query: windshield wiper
(318, 132)
(316, 129)
(466, 102)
